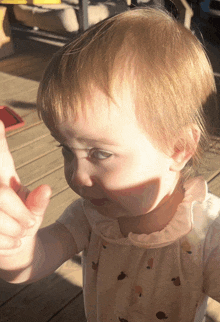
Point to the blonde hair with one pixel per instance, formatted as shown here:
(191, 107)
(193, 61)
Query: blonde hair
(162, 62)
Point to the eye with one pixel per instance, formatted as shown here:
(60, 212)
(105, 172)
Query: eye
(99, 154)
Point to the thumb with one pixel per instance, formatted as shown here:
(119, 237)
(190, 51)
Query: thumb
(38, 200)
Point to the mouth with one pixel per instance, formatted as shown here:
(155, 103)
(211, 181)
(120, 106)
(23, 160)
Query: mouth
(99, 202)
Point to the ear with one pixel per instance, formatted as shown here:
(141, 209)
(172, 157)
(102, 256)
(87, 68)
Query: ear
(185, 147)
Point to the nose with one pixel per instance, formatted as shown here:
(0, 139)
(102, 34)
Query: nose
(82, 174)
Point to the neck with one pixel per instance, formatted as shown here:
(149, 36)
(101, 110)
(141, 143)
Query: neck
(157, 219)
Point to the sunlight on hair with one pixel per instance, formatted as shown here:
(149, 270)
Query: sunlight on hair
(146, 52)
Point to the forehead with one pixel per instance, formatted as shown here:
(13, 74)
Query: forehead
(103, 120)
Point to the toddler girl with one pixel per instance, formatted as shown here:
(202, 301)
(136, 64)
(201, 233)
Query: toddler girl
(126, 101)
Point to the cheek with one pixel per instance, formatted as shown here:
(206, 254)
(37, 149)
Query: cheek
(126, 175)
(113, 178)
(137, 198)
(136, 186)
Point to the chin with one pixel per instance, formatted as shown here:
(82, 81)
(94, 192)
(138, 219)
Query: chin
(137, 209)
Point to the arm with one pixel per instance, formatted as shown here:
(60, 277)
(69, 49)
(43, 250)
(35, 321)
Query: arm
(27, 253)
(52, 247)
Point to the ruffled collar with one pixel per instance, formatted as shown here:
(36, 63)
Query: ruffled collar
(180, 225)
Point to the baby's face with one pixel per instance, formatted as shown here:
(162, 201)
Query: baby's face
(107, 155)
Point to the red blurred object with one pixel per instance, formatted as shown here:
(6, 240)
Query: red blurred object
(10, 119)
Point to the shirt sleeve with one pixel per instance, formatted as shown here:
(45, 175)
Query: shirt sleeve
(74, 219)
(212, 261)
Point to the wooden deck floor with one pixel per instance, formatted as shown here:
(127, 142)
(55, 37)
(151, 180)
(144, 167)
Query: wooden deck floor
(38, 160)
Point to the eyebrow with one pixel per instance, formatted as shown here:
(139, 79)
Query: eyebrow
(92, 141)
(86, 140)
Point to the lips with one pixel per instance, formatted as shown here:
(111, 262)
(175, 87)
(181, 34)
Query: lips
(99, 202)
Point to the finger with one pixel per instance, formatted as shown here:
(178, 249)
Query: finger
(12, 205)
(2, 135)
(38, 200)
(22, 192)
(7, 168)
(7, 242)
(10, 227)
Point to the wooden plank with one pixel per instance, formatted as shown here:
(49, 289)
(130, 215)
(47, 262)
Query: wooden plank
(40, 147)
(20, 92)
(22, 103)
(27, 71)
(37, 74)
(30, 118)
(57, 205)
(23, 67)
(26, 98)
(208, 319)
(28, 52)
(40, 168)
(55, 180)
(213, 311)
(8, 291)
(40, 301)
(16, 60)
(74, 311)
(4, 77)
(16, 87)
(71, 270)
(25, 137)
(210, 165)
(214, 185)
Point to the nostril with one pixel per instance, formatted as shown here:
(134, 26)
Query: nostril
(83, 179)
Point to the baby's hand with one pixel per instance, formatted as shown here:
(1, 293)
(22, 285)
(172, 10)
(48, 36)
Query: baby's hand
(19, 223)
(21, 212)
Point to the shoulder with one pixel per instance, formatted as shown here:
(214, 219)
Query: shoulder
(75, 221)
(82, 210)
(207, 212)
(205, 206)
(74, 210)
(212, 212)
(74, 218)
(205, 234)
(212, 204)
